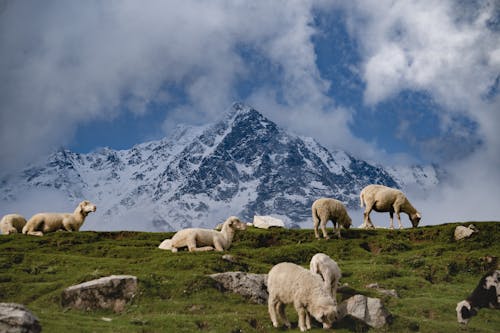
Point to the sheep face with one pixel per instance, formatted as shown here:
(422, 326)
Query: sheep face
(87, 207)
(464, 312)
(347, 223)
(235, 223)
(325, 312)
(415, 219)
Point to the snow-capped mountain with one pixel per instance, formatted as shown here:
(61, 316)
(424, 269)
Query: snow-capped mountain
(243, 165)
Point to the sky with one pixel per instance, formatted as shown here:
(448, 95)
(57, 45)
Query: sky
(393, 82)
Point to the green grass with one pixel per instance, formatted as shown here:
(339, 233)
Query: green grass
(430, 271)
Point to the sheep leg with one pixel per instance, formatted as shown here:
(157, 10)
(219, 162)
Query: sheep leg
(191, 245)
(399, 220)
(272, 303)
(218, 246)
(323, 228)
(280, 307)
(302, 312)
(308, 320)
(201, 249)
(391, 219)
(35, 233)
(367, 222)
(316, 226)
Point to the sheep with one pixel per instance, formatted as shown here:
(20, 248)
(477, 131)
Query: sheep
(197, 239)
(486, 294)
(329, 271)
(385, 199)
(325, 209)
(290, 283)
(12, 224)
(42, 223)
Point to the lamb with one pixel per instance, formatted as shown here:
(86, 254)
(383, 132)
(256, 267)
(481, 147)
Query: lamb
(325, 209)
(329, 271)
(385, 199)
(289, 283)
(197, 239)
(12, 224)
(42, 223)
(486, 294)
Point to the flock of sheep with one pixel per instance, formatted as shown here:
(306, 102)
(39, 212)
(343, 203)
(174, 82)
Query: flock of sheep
(312, 292)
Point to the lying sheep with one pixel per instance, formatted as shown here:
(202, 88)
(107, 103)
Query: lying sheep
(326, 209)
(197, 239)
(12, 224)
(329, 271)
(42, 223)
(486, 295)
(385, 199)
(289, 283)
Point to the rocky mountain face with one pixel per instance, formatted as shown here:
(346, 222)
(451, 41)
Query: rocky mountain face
(243, 165)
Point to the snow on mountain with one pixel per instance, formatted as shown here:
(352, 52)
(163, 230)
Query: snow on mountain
(243, 165)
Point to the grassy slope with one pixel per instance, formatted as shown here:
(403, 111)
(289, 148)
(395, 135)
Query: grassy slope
(430, 271)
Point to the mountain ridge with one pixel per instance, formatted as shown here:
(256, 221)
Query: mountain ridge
(243, 164)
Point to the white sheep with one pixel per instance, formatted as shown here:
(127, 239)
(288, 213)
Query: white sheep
(325, 209)
(288, 283)
(42, 223)
(198, 239)
(385, 199)
(12, 224)
(329, 271)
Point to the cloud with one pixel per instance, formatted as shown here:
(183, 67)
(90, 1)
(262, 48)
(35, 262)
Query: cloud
(449, 50)
(66, 63)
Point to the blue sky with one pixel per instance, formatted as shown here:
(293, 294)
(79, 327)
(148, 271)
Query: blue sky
(394, 82)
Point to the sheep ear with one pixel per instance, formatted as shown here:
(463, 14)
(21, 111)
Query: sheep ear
(418, 215)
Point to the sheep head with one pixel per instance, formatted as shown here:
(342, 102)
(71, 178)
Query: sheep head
(464, 312)
(85, 207)
(325, 311)
(415, 219)
(234, 223)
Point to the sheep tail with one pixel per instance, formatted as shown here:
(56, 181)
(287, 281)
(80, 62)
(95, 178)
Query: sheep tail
(361, 200)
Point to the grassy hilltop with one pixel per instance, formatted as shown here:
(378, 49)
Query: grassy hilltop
(430, 271)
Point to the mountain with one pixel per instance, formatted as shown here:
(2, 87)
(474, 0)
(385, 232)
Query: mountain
(242, 165)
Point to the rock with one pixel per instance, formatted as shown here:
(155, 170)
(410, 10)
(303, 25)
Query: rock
(111, 292)
(265, 222)
(16, 318)
(462, 232)
(248, 285)
(229, 258)
(389, 292)
(369, 310)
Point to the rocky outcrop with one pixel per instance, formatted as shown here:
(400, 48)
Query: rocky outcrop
(369, 310)
(16, 318)
(266, 222)
(388, 292)
(248, 285)
(112, 292)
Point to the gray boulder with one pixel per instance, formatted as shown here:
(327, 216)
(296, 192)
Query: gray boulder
(112, 292)
(249, 285)
(16, 318)
(369, 310)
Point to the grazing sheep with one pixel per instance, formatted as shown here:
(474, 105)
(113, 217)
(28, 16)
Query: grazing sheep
(329, 271)
(326, 209)
(385, 199)
(12, 224)
(42, 223)
(289, 283)
(197, 239)
(486, 294)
